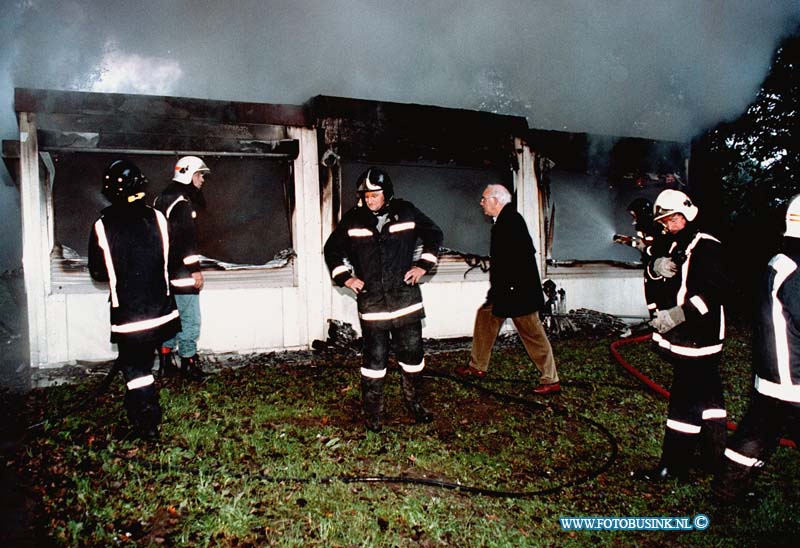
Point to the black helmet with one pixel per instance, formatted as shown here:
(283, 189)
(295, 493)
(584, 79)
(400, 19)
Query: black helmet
(123, 182)
(642, 209)
(375, 179)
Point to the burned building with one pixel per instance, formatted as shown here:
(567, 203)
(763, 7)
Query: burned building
(282, 175)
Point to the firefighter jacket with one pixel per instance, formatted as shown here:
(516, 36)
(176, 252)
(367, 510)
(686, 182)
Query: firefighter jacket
(776, 337)
(381, 259)
(176, 202)
(698, 288)
(515, 287)
(655, 288)
(129, 248)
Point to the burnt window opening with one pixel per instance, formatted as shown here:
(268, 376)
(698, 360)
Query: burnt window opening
(449, 195)
(246, 220)
(588, 182)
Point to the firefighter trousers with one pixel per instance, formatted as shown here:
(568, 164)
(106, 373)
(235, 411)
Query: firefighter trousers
(407, 343)
(696, 415)
(754, 442)
(141, 396)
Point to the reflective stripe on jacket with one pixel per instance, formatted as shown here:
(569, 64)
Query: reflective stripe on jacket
(129, 248)
(381, 259)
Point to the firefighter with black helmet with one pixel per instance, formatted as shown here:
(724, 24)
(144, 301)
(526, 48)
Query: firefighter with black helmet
(689, 329)
(129, 248)
(649, 242)
(775, 402)
(372, 252)
(180, 202)
(641, 211)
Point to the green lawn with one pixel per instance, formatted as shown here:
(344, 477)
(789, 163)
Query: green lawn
(271, 451)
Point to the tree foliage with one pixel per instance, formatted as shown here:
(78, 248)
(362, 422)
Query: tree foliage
(758, 156)
(756, 162)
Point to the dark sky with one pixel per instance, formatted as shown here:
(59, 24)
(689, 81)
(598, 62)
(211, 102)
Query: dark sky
(652, 68)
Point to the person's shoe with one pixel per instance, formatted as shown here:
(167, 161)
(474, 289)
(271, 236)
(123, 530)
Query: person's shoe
(658, 474)
(545, 389)
(469, 371)
(191, 369)
(166, 365)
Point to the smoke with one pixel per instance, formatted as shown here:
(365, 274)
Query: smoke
(651, 68)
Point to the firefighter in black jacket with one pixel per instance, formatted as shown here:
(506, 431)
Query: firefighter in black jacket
(179, 203)
(371, 251)
(775, 401)
(648, 241)
(129, 248)
(689, 328)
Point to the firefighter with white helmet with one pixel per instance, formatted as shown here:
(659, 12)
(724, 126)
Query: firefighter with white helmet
(372, 252)
(775, 403)
(128, 248)
(689, 329)
(179, 202)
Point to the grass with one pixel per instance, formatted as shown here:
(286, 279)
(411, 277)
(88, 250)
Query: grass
(246, 459)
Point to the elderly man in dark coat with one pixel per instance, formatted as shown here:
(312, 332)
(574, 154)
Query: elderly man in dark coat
(515, 292)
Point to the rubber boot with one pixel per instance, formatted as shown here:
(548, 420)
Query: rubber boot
(166, 363)
(412, 392)
(144, 412)
(714, 438)
(372, 397)
(675, 455)
(732, 482)
(191, 369)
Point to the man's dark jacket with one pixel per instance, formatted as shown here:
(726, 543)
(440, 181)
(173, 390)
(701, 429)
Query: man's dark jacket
(516, 289)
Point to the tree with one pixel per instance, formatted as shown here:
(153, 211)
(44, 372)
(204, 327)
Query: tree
(757, 162)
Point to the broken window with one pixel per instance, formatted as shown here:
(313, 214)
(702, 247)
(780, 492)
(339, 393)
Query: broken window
(588, 184)
(245, 224)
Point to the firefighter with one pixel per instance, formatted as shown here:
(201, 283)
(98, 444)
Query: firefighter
(129, 248)
(641, 211)
(372, 252)
(775, 401)
(689, 329)
(649, 242)
(179, 202)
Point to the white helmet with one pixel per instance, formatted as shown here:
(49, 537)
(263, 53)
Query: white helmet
(187, 167)
(674, 201)
(793, 218)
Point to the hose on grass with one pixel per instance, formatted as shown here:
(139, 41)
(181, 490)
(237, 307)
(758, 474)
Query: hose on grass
(650, 383)
(529, 404)
(438, 483)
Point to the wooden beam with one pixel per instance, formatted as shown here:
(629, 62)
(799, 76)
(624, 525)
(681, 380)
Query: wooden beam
(181, 108)
(128, 142)
(381, 132)
(35, 254)
(150, 125)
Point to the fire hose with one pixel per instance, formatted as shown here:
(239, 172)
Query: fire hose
(652, 385)
(430, 482)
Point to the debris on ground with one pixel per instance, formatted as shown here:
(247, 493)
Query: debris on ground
(583, 322)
